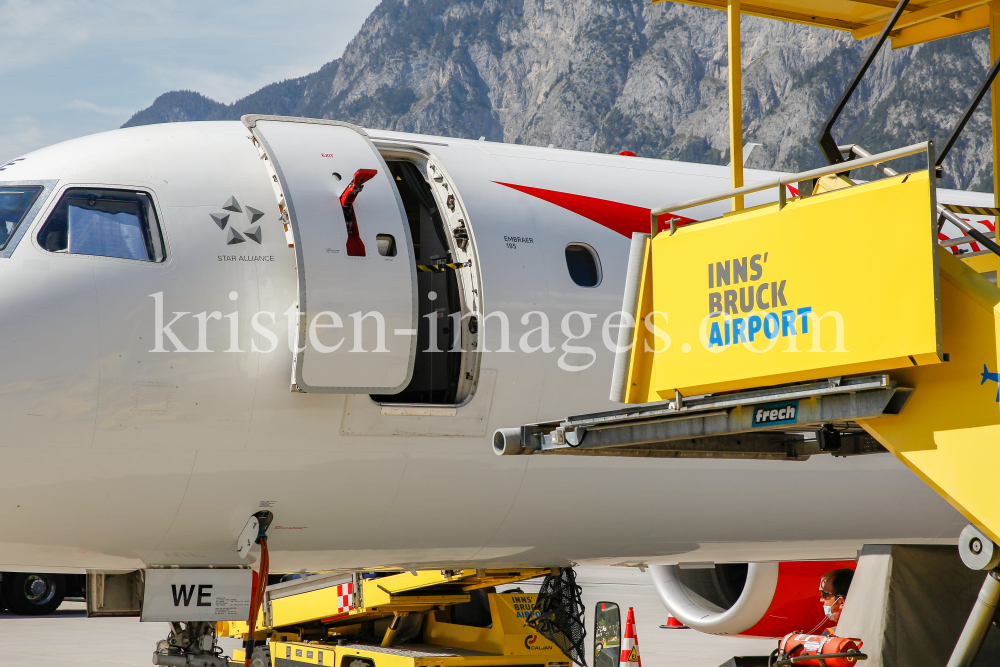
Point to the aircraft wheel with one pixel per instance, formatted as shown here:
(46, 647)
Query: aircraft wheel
(261, 657)
(33, 594)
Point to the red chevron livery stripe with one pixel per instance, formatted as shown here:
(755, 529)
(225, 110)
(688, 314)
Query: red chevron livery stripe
(625, 219)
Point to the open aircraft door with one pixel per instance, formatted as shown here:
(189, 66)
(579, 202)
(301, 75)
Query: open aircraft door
(357, 318)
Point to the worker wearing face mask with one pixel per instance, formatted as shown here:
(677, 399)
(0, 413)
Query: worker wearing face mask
(833, 589)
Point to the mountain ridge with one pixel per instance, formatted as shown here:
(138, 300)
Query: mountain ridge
(615, 75)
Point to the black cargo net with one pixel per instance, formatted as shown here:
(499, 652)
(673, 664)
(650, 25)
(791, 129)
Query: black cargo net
(558, 614)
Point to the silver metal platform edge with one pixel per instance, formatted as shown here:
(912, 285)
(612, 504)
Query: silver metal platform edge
(823, 419)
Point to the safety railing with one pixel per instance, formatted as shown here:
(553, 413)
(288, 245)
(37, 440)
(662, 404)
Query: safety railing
(962, 240)
(783, 181)
(971, 233)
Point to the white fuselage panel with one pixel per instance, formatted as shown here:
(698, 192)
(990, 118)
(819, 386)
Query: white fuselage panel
(116, 455)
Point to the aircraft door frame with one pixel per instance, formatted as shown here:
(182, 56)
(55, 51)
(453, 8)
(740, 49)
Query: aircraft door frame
(457, 228)
(306, 157)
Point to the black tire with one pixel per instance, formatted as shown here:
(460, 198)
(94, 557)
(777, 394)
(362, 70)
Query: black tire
(261, 657)
(33, 594)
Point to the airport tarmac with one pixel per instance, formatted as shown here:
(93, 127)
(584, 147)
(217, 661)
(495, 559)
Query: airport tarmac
(67, 637)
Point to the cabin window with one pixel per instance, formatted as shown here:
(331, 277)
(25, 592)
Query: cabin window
(583, 264)
(14, 205)
(104, 223)
(386, 245)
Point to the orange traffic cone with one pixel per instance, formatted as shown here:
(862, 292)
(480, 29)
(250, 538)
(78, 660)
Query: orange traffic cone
(630, 644)
(673, 623)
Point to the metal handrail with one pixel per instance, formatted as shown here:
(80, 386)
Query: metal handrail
(782, 181)
(962, 240)
(971, 232)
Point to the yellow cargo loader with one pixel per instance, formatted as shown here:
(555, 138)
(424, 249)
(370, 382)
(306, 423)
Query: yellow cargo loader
(422, 618)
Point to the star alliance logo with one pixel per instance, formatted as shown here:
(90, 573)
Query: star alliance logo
(995, 377)
(234, 237)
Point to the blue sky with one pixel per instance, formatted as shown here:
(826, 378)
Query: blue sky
(75, 67)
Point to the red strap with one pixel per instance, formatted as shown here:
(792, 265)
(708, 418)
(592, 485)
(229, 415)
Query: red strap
(256, 598)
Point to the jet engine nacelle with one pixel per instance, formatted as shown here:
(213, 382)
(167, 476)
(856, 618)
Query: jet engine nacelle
(747, 599)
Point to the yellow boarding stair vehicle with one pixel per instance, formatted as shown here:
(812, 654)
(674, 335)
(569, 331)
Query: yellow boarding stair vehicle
(421, 618)
(826, 316)
(947, 435)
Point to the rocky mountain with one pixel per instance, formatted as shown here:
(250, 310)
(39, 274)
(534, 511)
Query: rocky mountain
(613, 75)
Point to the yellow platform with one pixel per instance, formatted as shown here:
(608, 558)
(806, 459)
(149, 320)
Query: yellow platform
(838, 284)
(727, 302)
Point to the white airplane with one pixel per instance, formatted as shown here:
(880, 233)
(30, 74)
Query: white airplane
(159, 278)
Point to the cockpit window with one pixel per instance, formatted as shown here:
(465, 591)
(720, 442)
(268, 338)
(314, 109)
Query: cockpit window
(104, 223)
(14, 204)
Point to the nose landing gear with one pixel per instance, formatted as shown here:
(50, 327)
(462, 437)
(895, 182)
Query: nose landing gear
(190, 645)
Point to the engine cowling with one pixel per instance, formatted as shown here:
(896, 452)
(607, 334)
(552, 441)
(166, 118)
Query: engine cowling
(747, 599)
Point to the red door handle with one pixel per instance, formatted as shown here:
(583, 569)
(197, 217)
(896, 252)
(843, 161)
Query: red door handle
(355, 247)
